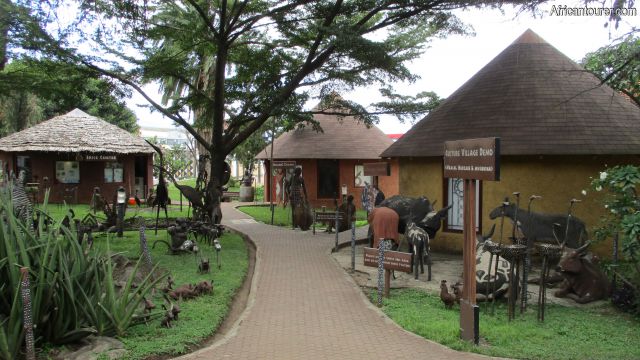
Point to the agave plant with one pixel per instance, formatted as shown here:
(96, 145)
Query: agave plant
(73, 293)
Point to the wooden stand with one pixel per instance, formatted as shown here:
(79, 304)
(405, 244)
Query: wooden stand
(469, 316)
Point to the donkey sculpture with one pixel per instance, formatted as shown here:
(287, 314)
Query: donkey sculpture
(539, 227)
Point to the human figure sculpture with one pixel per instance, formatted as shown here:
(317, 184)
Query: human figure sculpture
(300, 212)
(347, 207)
(384, 222)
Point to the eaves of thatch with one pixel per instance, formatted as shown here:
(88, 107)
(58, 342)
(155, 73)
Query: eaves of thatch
(538, 101)
(75, 132)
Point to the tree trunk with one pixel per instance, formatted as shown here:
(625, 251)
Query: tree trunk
(4, 31)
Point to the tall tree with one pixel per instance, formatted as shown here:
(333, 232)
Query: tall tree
(618, 65)
(237, 63)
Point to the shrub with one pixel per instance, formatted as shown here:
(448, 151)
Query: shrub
(72, 290)
(622, 220)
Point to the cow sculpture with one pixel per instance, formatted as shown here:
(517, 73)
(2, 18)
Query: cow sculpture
(407, 208)
(583, 281)
(492, 281)
(540, 227)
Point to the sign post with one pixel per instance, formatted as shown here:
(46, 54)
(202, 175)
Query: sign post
(471, 160)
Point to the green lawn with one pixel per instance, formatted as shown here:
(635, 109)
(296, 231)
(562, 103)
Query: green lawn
(200, 317)
(282, 216)
(568, 333)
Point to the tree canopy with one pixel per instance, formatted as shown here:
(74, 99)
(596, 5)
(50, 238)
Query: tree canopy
(618, 65)
(35, 90)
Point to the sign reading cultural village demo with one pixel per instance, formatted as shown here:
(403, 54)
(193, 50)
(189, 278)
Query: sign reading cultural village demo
(472, 159)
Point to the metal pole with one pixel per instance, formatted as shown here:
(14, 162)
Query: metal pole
(353, 246)
(273, 132)
(337, 227)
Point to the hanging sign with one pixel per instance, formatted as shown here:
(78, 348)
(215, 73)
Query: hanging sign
(377, 169)
(472, 159)
(97, 157)
(283, 164)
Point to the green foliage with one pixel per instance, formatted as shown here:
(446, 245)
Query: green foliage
(199, 317)
(620, 184)
(567, 332)
(68, 284)
(619, 64)
(36, 90)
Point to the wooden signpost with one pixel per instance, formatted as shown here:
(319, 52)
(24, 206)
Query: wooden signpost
(471, 160)
(392, 260)
(377, 169)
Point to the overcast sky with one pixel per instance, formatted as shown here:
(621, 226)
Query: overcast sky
(450, 62)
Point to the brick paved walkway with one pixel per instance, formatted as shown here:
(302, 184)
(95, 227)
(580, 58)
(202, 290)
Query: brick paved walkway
(304, 306)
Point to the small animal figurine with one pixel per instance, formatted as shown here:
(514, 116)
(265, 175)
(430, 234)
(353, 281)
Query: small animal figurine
(168, 318)
(175, 310)
(447, 299)
(204, 287)
(457, 291)
(186, 291)
(203, 266)
(148, 305)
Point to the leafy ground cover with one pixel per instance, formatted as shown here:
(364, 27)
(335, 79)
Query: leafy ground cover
(282, 216)
(598, 332)
(200, 317)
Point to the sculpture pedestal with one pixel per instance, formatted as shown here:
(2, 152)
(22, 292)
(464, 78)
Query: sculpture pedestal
(246, 193)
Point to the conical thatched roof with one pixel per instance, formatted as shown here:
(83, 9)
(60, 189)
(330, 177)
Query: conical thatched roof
(342, 138)
(75, 131)
(538, 101)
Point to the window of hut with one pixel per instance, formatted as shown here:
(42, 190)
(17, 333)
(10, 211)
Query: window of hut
(68, 172)
(113, 172)
(455, 197)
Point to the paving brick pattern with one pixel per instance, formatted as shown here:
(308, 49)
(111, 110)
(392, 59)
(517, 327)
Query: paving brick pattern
(304, 306)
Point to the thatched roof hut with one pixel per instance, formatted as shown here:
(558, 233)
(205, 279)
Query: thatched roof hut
(75, 131)
(558, 127)
(71, 154)
(334, 157)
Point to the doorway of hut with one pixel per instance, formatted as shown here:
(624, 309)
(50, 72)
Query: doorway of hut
(328, 179)
(140, 174)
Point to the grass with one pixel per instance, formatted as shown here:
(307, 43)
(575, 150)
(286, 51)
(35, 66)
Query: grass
(200, 317)
(599, 332)
(282, 216)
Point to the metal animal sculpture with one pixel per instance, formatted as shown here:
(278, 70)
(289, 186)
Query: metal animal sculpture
(539, 226)
(22, 207)
(419, 246)
(162, 193)
(447, 299)
(195, 197)
(584, 282)
(408, 207)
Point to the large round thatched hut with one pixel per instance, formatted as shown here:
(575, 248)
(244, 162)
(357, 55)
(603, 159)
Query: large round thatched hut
(558, 126)
(75, 152)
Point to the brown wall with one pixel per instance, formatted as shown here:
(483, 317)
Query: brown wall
(556, 178)
(91, 175)
(388, 184)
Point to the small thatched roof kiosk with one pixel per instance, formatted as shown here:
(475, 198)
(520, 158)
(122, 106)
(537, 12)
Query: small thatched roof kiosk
(557, 123)
(331, 158)
(75, 152)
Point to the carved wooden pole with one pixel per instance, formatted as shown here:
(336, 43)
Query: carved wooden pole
(25, 290)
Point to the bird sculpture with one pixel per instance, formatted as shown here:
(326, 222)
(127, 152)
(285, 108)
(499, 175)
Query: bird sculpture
(447, 299)
(162, 193)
